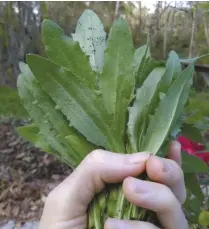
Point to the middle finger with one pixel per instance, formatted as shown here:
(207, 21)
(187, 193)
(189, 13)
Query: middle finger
(169, 173)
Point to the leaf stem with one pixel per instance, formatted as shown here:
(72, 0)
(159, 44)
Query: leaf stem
(96, 215)
(119, 203)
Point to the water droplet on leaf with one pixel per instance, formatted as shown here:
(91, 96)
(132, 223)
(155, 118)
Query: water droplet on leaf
(56, 107)
(35, 102)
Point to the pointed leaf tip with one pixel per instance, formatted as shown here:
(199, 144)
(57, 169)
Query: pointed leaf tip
(168, 112)
(92, 38)
(48, 22)
(50, 30)
(88, 12)
(22, 66)
(194, 60)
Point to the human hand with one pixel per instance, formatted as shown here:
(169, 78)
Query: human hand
(66, 205)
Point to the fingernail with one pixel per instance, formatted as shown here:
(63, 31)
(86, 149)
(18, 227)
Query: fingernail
(116, 224)
(137, 158)
(176, 145)
(140, 186)
(166, 165)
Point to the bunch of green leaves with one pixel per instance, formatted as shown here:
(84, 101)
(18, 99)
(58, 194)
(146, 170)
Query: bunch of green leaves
(95, 93)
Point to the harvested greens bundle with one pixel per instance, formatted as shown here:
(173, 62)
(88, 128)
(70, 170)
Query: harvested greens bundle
(91, 93)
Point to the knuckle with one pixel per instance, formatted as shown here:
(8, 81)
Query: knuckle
(57, 195)
(183, 196)
(175, 181)
(95, 157)
(94, 163)
(52, 196)
(169, 199)
(176, 173)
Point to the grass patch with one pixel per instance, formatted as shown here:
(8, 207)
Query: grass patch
(10, 104)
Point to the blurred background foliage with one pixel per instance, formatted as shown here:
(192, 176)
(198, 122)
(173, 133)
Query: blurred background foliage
(181, 26)
(10, 104)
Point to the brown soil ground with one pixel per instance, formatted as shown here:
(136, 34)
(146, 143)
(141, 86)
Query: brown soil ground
(26, 176)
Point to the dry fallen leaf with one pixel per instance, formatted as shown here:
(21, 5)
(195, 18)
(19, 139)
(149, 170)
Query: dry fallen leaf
(27, 175)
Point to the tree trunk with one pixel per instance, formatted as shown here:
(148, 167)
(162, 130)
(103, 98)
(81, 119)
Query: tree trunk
(157, 14)
(194, 24)
(140, 18)
(206, 29)
(165, 35)
(154, 29)
(117, 5)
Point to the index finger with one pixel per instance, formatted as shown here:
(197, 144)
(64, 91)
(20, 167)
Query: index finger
(98, 168)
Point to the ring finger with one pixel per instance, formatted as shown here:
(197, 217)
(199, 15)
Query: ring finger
(158, 198)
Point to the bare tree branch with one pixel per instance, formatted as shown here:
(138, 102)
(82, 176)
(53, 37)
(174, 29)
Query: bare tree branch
(194, 25)
(117, 5)
(180, 9)
(164, 10)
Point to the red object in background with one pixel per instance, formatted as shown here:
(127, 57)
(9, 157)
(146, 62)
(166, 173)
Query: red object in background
(193, 148)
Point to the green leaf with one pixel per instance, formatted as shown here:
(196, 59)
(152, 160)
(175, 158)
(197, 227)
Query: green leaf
(176, 129)
(204, 218)
(192, 184)
(168, 112)
(31, 134)
(146, 67)
(192, 206)
(80, 145)
(46, 114)
(195, 59)
(149, 95)
(92, 38)
(173, 68)
(161, 95)
(67, 53)
(191, 132)
(140, 55)
(139, 111)
(26, 84)
(192, 164)
(82, 106)
(117, 79)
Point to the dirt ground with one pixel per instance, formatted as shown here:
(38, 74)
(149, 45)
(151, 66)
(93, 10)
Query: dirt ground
(26, 176)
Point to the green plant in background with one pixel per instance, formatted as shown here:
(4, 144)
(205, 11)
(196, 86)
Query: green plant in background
(10, 104)
(96, 93)
(204, 219)
(197, 114)
(198, 105)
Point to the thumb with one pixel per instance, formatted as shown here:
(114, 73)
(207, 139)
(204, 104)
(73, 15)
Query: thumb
(72, 196)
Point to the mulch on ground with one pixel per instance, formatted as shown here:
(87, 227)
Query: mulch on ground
(27, 175)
